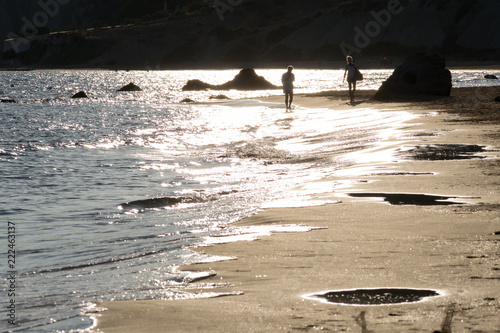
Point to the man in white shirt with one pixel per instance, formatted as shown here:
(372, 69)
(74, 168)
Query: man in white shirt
(350, 70)
(287, 80)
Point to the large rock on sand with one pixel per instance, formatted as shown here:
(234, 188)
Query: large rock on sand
(246, 79)
(421, 74)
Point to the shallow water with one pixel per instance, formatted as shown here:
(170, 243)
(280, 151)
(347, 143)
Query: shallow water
(108, 193)
(374, 296)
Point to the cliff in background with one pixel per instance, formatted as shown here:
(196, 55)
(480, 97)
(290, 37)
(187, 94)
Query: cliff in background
(122, 34)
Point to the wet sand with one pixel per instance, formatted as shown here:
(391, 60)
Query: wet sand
(423, 212)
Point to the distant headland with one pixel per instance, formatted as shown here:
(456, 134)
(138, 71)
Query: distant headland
(245, 33)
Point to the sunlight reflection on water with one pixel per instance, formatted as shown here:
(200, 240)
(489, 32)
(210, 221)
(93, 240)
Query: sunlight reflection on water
(67, 165)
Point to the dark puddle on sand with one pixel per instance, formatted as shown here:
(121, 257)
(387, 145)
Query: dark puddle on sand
(374, 296)
(443, 152)
(410, 199)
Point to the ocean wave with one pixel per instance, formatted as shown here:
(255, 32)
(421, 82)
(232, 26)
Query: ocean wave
(140, 206)
(135, 256)
(261, 149)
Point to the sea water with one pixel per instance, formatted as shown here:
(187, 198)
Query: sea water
(107, 194)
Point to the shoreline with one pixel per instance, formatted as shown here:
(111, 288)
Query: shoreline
(362, 242)
(452, 65)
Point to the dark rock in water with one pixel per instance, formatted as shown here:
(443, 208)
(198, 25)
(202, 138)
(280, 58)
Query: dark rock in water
(187, 100)
(246, 79)
(219, 97)
(421, 74)
(7, 100)
(491, 77)
(80, 94)
(196, 85)
(497, 99)
(130, 87)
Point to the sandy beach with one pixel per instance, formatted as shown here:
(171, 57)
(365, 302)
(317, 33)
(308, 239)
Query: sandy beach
(421, 211)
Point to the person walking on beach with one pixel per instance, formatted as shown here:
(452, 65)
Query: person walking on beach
(287, 80)
(350, 70)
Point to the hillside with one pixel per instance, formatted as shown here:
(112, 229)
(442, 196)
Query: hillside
(122, 34)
